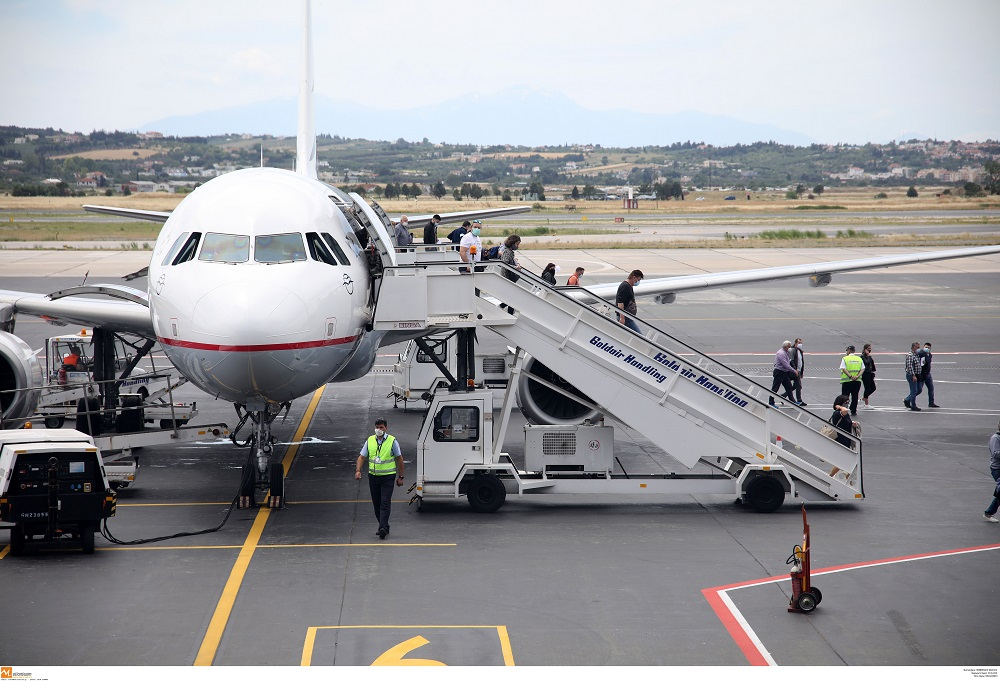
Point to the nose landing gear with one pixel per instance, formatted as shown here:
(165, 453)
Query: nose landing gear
(259, 472)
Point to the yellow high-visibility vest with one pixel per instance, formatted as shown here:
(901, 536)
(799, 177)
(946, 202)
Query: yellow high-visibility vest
(853, 366)
(379, 462)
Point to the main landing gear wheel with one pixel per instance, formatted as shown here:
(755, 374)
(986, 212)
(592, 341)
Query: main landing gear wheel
(277, 486)
(486, 493)
(130, 418)
(765, 494)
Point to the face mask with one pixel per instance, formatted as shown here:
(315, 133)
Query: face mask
(379, 433)
(635, 284)
(927, 349)
(799, 346)
(475, 231)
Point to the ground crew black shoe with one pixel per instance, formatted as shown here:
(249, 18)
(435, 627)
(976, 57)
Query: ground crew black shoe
(934, 406)
(382, 533)
(906, 403)
(915, 408)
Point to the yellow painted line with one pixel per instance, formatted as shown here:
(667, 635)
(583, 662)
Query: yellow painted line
(224, 608)
(508, 652)
(231, 547)
(310, 641)
(4, 551)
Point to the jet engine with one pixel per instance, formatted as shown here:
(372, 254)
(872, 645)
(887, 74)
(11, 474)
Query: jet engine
(20, 378)
(540, 404)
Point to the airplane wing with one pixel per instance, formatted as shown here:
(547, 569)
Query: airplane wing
(819, 274)
(126, 311)
(135, 213)
(418, 220)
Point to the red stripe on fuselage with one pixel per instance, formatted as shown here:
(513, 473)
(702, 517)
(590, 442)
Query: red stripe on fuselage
(271, 347)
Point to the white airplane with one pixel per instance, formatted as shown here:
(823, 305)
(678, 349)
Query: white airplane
(262, 284)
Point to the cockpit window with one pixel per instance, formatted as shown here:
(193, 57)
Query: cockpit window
(225, 248)
(188, 250)
(337, 250)
(318, 249)
(180, 241)
(271, 248)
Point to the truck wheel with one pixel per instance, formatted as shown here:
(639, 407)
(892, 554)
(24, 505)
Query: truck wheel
(54, 422)
(130, 418)
(17, 541)
(277, 486)
(87, 539)
(88, 423)
(765, 494)
(486, 493)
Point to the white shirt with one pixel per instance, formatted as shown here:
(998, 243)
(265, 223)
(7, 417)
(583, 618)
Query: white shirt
(467, 242)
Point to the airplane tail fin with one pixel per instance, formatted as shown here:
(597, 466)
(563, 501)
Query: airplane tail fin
(305, 141)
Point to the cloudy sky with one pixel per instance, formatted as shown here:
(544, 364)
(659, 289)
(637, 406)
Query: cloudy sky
(848, 71)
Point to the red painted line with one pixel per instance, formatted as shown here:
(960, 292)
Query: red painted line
(256, 348)
(737, 632)
(740, 636)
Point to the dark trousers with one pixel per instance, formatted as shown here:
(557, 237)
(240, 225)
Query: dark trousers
(797, 386)
(851, 388)
(928, 383)
(784, 379)
(381, 488)
(869, 382)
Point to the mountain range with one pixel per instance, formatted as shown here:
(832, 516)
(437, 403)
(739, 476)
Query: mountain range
(518, 116)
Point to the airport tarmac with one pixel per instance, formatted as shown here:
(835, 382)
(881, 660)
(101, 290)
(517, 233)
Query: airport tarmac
(908, 574)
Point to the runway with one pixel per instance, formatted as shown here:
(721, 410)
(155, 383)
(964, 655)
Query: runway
(691, 581)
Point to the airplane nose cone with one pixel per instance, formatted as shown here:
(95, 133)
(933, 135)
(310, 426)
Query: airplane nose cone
(253, 341)
(249, 314)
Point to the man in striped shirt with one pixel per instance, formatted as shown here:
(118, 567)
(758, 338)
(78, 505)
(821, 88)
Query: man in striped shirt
(913, 370)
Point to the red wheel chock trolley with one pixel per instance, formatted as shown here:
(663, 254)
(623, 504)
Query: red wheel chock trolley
(805, 597)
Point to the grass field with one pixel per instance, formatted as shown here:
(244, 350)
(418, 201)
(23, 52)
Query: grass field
(767, 219)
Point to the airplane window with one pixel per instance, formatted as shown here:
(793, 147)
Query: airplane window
(225, 248)
(318, 249)
(337, 250)
(457, 424)
(270, 248)
(188, 249)
(181, 240)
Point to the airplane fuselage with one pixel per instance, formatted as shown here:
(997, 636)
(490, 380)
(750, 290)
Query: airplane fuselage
(258, 287)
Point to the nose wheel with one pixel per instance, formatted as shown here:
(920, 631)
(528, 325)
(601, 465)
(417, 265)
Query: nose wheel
(259, 472)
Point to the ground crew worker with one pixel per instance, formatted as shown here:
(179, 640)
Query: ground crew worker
(385, 464)
(71, 359)
(851, 368)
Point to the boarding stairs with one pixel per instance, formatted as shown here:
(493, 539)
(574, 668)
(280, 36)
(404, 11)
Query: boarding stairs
(691, 406)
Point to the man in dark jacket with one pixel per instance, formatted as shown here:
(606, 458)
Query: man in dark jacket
(431, 230)
(925, 375)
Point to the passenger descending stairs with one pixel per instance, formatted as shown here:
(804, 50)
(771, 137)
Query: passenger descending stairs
(691, 406)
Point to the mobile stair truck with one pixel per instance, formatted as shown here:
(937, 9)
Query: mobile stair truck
(53, 488)
(697, 410)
